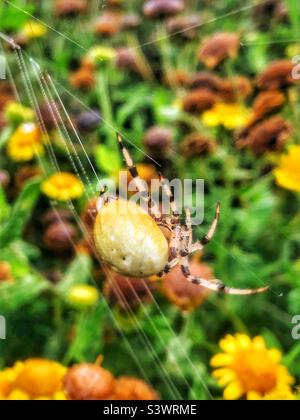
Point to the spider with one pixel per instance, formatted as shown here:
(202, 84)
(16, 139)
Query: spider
(132, 242)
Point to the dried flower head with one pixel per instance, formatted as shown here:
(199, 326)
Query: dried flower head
(196, 144)
(56, 215)
(177, 77)
(125, 292)
(267, 136)
(186, 296)
(129, 388)
(126, 59)
(108, 24)
(131, 21)
(60, 236)
(199, 100)
(267, 102)
(277, 75)
(266, 13)
(88, 121)
(207, 80)
(25, 174)
(158, 141)
(218, 47)
(70, 8)
(185, 26)
(83, 78)
(162, 8)
(4, 178)
(88, 382)
(235, 89)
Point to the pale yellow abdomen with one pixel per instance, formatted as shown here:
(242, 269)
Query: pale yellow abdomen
(129, 240)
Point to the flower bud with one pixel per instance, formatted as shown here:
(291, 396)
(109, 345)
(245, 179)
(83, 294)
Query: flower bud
(88, 121)
(82, 296)
(162, 8)
(158, 141)
(70, 8)
(129, 388)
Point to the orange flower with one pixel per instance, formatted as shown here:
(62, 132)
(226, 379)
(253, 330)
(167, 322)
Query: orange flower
(32, 379)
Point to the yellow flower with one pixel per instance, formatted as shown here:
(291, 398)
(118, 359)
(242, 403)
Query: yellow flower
(34, 29)
(284, 394)
(101, 53)
(63, 186)
(231, 116)
(287, 174)
(17, 113)
(247, 368)
(83, 296)
(33, 379)
(25, 143)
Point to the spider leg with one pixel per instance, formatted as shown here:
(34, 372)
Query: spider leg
(170, 193)
(140, 184)
(216, 285)
(199, 245)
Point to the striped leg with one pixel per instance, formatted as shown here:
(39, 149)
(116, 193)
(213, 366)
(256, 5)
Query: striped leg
(170, 194)
(140, 184)
(216, 285)
(199, 245)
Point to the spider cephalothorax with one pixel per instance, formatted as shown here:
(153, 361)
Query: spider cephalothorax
(132, 242)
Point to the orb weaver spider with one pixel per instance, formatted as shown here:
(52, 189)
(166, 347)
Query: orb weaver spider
(133, 243)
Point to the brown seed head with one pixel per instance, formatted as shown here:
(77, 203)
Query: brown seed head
(277, 75)
(70, 8)
(88, 382)
(196, 144)
(217, 48)
(163, 8)
(181, 292)
(198, 101)
(129, 388)
(60, 236)
(158, 141)
(267, 136)
(125, 292)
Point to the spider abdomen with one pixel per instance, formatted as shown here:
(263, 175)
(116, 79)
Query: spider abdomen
(129, 240)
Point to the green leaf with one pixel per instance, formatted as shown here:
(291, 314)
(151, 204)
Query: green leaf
(4, 207)
(16, 295)
(88, 344)
(107, 160)
(20, 213)
(4, 136)
(79, 272)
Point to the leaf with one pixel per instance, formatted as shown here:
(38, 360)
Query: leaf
(20, 213)
(4, 137)
(16, 295)
(79, 272)
(87, 344)
(107, 160)
(4, 207)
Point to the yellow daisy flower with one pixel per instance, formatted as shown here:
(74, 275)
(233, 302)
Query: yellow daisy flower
(63, 186)
(34, 29)
(25, 143)
(247, 368)
(33, 379)
(231, 116)
(287, 174)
